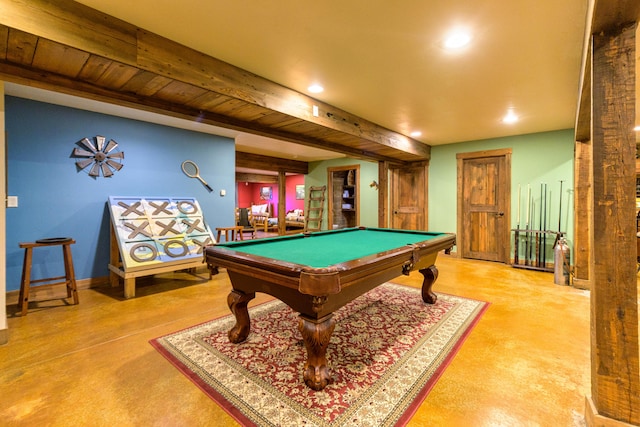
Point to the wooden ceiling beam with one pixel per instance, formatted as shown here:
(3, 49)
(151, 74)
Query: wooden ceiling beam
(609, 14)
(256, 178)
(257, 161)
(602, 16)
(89, 30)
(168, 58)
(50, 81)
(73, 24)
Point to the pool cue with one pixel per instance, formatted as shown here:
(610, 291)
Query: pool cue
(544, 236)
(516, 260)
(531, 232)
(526, 240)
(560, 210)
(538, 235)
(518, 209)
(534, 235)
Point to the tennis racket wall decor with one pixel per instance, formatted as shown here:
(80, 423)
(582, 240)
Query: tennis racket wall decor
(191, 169)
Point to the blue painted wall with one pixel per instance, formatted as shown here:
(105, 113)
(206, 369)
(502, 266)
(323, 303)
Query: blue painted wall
(55, 199)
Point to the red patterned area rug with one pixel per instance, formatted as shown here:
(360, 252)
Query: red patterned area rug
(387, 351)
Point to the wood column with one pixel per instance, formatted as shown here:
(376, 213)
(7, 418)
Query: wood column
(383, 194)
(583, 200)
(4, 327)
(282, 203)
(615, 371)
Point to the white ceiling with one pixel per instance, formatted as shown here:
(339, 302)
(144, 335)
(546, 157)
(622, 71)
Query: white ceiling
(384, 61)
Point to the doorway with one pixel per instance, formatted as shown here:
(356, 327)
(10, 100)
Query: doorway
(484, 192)
(343, 197)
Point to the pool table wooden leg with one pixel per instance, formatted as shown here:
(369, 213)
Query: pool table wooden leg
(430, 275)
(316, 335)
(237, 302)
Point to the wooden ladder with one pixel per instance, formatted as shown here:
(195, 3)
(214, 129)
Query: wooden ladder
(315, 207)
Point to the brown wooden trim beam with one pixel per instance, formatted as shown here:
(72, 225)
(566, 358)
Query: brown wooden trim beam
(615, 365)
(583, 204)
(256, 178)
(282, 203)
(44, 80)
(610, 14)
(168, 58)
(583, 119)
(383, 194)
(485, 153)
(55, 82)
(81, 27)
(73, 24)
(257, 161)
(603, 16)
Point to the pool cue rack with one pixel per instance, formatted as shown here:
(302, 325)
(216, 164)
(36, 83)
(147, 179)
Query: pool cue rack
(532, 248)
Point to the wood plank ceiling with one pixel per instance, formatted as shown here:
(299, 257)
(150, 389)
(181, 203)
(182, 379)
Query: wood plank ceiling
(74, 49)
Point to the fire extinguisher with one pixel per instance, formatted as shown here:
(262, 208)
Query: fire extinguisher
(561, 262)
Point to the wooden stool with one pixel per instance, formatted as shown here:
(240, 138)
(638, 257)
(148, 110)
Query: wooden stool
(70, 277)
(235, 232)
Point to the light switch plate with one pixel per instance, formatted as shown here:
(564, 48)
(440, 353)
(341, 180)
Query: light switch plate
(12, 201)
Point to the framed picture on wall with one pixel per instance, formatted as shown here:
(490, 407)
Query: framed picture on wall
(300, 192)
(265, 193)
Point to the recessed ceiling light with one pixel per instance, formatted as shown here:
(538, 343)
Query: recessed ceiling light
(315, 88)
(511, 117)
(457, 39)
(415, 134)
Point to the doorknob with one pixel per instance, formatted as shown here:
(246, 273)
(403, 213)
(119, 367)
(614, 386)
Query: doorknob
(499, 214)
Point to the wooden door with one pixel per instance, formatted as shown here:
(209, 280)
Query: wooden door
(483, 205)
(409, 196)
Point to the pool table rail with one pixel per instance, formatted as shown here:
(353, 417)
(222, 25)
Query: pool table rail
(316, 292)
(327, 280)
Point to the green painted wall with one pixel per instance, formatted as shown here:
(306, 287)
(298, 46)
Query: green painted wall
(368, 196)
(536, 158)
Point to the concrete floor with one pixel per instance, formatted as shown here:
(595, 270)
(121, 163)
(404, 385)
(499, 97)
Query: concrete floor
(525, 364)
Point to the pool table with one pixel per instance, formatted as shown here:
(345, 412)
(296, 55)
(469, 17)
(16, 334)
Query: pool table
(317, 273)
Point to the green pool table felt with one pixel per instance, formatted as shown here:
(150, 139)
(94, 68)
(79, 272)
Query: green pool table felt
(323, 249)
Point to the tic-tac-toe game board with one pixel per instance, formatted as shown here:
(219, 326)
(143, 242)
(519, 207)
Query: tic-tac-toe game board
(154, 233)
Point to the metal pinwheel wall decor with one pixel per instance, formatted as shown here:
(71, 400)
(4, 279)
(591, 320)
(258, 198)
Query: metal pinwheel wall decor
(103, 157)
